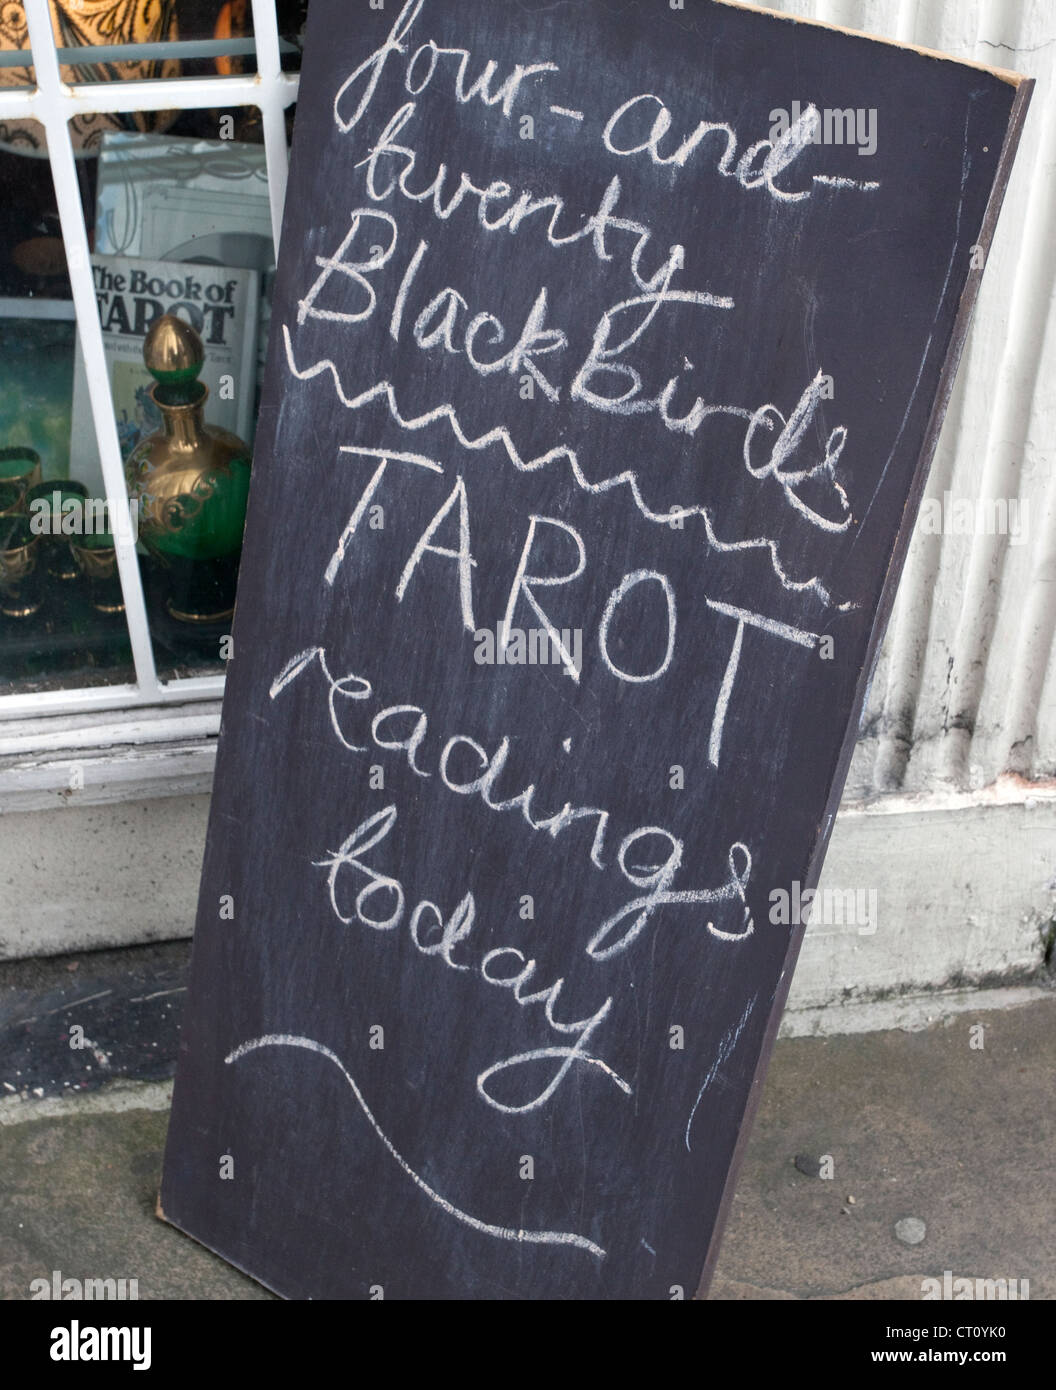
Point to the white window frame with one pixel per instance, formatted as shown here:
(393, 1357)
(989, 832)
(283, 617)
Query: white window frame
(49, 720)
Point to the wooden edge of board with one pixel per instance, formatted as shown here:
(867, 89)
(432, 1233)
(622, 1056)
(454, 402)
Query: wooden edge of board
(1004, 74)
(965, 308)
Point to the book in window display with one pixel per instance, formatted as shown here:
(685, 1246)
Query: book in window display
(220, 302)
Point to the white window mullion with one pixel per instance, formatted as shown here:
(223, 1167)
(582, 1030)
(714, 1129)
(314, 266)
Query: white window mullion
(109, 697)
(54, 113)
(17, 105)
(160, 94)
(276, 93)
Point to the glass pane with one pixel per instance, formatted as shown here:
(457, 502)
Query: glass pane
(292, 16)
(219, 33)
(61, 614)
(183, 264)
(16, 70)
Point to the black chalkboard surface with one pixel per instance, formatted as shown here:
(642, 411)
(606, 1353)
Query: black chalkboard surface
(609, 348)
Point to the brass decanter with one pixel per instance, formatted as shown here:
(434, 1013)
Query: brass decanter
(191, 482)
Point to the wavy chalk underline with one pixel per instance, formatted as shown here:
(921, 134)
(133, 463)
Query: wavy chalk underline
(500, 1232)
(383, 390)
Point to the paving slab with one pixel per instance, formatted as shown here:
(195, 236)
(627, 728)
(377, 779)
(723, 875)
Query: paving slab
(953, 1126)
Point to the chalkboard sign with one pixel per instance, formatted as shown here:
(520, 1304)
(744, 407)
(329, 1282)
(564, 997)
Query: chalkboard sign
(609, 347)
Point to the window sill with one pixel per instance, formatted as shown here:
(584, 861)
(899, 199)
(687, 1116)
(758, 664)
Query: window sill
(91, 760)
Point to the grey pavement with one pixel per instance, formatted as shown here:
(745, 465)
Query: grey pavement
(911, 1125)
